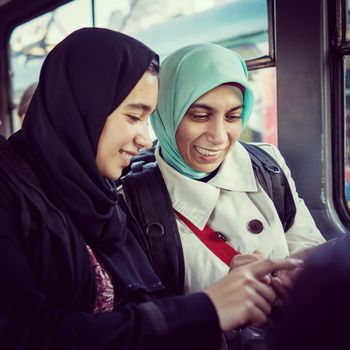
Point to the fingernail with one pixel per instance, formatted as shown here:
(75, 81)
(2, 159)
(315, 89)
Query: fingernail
(296, 261)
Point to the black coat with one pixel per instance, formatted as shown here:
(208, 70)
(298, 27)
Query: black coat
(46, 299)
(58, 202)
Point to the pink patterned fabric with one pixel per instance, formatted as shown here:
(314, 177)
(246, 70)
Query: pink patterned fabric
(105, 291)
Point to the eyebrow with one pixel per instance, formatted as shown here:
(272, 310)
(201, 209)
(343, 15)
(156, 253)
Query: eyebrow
(210, 109)
(139, 106)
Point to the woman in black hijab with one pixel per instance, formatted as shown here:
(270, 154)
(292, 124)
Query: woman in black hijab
(73, 274)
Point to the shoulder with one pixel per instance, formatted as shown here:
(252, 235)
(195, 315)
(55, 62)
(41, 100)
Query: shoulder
(271, 149)
(333, 257)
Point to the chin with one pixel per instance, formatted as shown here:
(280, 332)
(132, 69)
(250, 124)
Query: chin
(115, 175)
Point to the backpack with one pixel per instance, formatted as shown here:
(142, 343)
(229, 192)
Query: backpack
(148, 200)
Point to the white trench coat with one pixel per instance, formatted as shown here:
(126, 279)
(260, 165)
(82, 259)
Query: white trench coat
(228, 202)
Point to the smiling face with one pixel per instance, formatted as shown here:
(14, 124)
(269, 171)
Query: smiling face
(210, 128)
(126, 129)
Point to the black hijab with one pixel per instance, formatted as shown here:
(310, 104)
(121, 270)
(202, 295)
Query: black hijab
(83, 79)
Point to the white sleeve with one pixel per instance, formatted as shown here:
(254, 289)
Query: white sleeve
(303, 233)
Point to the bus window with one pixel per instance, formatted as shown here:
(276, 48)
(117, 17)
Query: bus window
(32, 41)
(347, 21)
(262, 126)
(341, 43)
(347, 126)
(166, 25)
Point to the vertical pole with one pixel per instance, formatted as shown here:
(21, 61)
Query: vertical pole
(93, 13)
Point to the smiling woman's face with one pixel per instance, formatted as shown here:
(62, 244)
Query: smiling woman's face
(210, 128)
(126, 128)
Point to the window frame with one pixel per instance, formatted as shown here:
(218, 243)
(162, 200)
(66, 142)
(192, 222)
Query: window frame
(266, 61)
(339, 50)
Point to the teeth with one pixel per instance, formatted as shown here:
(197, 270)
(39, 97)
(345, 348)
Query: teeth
(126, 154)
(206, 152)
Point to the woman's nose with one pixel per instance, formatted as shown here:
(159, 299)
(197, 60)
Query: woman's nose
(143, 139)
(217, 133)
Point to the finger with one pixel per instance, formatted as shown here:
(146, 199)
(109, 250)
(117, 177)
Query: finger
(262, 268)
(286, 279)
(258, 252)
(280, 289)
(267, 279)
(259, 319)
(263, 305)
(295, 273)
(254, 313)
(265, 292)
(259, 301)
(243, 259)
(257, 316)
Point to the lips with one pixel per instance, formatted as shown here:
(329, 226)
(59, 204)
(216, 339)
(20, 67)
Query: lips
(126, 157)
(205, 152)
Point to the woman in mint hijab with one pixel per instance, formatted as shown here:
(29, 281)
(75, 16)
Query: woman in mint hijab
(204, 102)
(187, 75)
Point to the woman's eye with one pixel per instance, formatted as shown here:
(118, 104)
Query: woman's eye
(233, 118)
(133, 118)
(199, 117)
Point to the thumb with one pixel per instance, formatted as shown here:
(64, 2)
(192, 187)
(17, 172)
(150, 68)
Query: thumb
(257, 251)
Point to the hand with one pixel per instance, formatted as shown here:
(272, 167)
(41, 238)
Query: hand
(283, 280)
(241, 297)
(245, 259)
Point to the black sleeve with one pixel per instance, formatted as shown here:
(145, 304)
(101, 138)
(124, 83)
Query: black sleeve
(29, 322)
(317, 315)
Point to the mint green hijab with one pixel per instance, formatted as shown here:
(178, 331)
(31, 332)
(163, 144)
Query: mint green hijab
(185, 75)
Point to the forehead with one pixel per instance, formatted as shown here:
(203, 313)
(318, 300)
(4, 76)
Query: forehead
(145, 93)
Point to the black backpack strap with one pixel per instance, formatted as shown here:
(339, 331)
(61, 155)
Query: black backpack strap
(275, 183)
(145, 156)
(149, 201)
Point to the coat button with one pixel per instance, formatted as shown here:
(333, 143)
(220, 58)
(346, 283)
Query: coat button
(255, 226)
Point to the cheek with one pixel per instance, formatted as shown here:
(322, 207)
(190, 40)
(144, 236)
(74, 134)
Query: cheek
(109, 133)
(233, 135)
(187, 132)
(184, 139)
(109, 141)
(123, 133)
(235, 132)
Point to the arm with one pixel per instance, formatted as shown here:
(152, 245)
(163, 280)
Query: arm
(29, 320)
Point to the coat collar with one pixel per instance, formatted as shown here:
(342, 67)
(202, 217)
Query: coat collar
(236, 172)
(195, 199)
